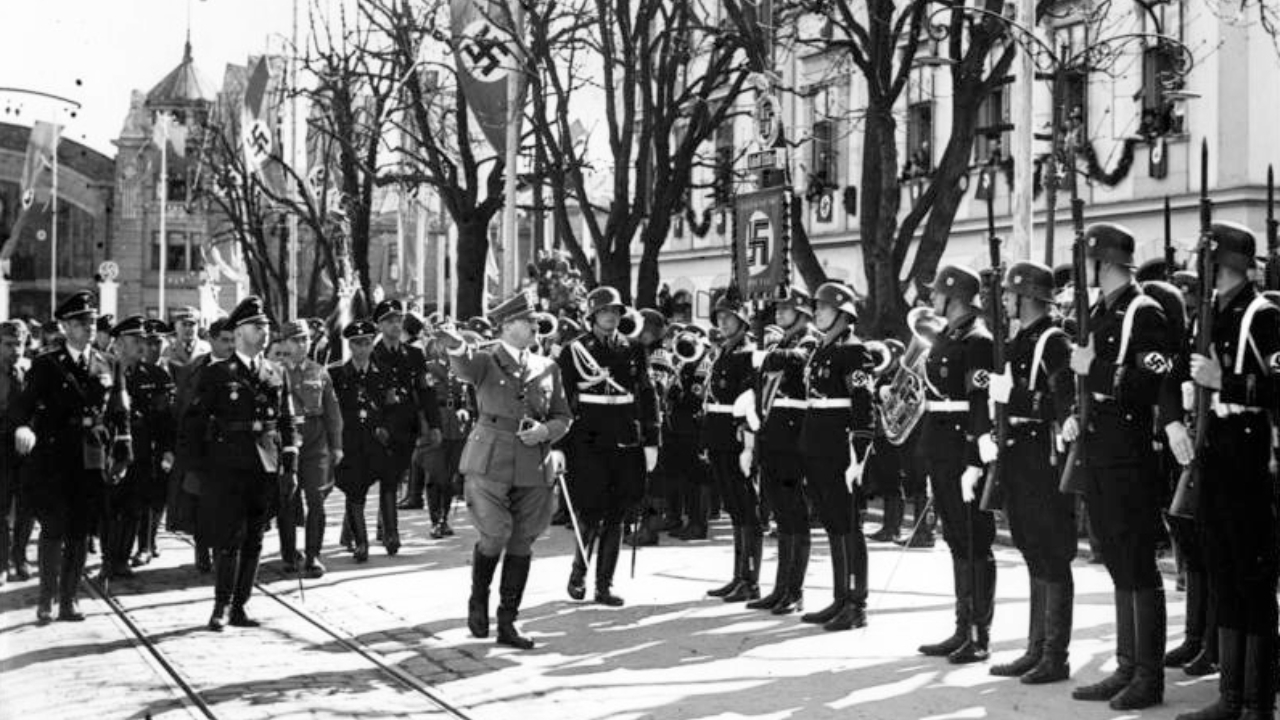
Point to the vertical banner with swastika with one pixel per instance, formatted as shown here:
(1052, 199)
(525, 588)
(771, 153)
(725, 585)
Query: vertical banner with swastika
(760, 241)
(487, 59)
(258, 127)
(37, 185)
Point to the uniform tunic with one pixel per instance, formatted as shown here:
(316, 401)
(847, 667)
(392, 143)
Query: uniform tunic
(366, 458)
(456, 402)
(152, 426)
(732, 374)
(782, 397)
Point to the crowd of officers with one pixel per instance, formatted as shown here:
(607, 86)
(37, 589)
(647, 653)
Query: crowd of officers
(649, 422)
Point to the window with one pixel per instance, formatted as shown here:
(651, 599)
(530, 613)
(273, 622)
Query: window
(178, 252)
(992, 142)
(919, 161)
(826, 106)
(824, 153)
(1072, 82)
(724, 162)
(1159, 79)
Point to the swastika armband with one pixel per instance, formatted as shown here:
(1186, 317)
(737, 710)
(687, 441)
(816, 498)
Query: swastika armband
(977, 380)
(1155, 362)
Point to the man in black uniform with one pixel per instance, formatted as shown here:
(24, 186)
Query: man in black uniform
(782, 412)
(457, 412)
(72, 420)
(409, 406)
(614, 440)
(13, 378)
(1037, 391)
(839, 427)
(242, 426)
(1236, 505)
(728, 435)
(1124, 366)
(681, 455)
(956, 444)
(151, 482)
(151, 426)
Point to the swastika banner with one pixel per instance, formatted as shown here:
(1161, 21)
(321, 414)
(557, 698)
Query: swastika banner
(37, 186)
(487, 59)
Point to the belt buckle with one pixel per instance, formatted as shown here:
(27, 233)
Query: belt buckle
(363, 414)
(257, 426)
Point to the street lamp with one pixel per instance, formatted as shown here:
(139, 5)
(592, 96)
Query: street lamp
(1066, 134)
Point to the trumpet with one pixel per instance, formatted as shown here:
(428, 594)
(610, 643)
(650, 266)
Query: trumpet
(631, 323)
(883, 354)
(689, 347)
(548, 326)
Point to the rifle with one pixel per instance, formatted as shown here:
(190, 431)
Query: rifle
(1187, 495)
(992, 491)
(1169, 266)
(1073, 473)
(1273, 233)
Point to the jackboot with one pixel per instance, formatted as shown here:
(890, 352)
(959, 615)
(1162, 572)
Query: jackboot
(839, 582)
(645, 533)
(1194, 639)
(246, 576)
(1231, 681)
(390, 523)
(204, 559)
(578, 574)
(894, 508)
(49, 561)
(482, 569)
(1035, 636)
(976, 647)
(607, 564)
(359, 533)
(1147, 687)
(781, 582)
(962, 576)
(73, 557)
(1059, 600)
(793, 600)
(225, 563)
(752, 552)
(696, 527)
(1206, 662)
(853, 611)
(738, 550)
(1125, 654)
(923, 522)
(287, 529)
(1259, 677)
(515, 575)
(24, 524)
(6, 537)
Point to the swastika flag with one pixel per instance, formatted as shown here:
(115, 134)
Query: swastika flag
(37, 185)
(487, 59)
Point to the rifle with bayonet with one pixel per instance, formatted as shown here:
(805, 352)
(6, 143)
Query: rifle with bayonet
(993, 491)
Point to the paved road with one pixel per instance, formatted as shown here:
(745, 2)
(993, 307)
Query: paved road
(669, 654)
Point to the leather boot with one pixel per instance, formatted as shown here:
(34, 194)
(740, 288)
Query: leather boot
(73, 557)
(515, 575)
(23, 526)
(1125, 658)
(246, 576)
(853, 612)
(287, 529)
(120, 538)
(738, 550)
(781, 582)
(1059, 599)
(204, 559)
(699, 500)
(5, 538)
(482, 570)
(313, 537)
(1035, 636)
(1147, 687)
(390, 523)
(1206, 662)
(225, 564)
(578, 574)
(1195, 638)
(1231, 660)
(962, 576)
(894, 507)
(49, 561)
(1259, 677)
(793, 601)
(976, 646)
(359, 532)
(923, 521)
(839, 582)
(607, 564)
(752, 552)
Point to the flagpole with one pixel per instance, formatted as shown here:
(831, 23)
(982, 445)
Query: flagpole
(162, 121)
(53, 236)
(510, 274)
(292, 290)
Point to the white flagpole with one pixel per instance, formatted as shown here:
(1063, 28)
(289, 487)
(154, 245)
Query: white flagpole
(1021, 208)
(510, 274)
(53, 232)
(292, 290)
(163, 121)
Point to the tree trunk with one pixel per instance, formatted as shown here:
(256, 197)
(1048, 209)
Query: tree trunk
(879, 221)
(648, 276)
(615, 270)
(473, 252)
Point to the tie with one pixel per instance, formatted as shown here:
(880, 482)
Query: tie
(83, 363)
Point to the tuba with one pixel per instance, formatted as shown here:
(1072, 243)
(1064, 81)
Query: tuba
(904, 403)
(883, 355)
(548, 325)
(689, 347)
(631, 323)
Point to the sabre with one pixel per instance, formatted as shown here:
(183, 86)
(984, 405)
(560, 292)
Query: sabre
(573, 518)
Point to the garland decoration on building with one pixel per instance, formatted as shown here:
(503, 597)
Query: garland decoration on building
(698, 228)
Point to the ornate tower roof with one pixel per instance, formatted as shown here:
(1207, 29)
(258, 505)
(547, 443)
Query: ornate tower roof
(184, 86)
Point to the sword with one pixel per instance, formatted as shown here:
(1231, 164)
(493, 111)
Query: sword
(573, 518)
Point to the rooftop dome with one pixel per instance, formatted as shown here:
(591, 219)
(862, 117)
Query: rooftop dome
(185, 85)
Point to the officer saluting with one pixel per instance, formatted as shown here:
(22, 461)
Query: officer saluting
(956, 441)
(1124, 366)
(241, 424)
(1037, 392)
(75, 400)
(508, 461)
(615, 437)
(1236, 497)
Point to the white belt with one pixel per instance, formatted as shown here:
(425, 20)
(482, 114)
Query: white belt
(719, 408)
(1227, 409)
(1100, 397)
(607, 399)
(947, 406)
(825, 403)
(790, 403)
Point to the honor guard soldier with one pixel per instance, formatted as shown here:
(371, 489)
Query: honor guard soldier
(409, 406)
(682, 454)
(728, 435)
(242, 426)
(152, 488)
(457, 412)
(835, 441)
(72, 423)
(661, 373)
(320, 433)
(1038, 393)
(1236, 496)
(956, 444)
(361, 387)
(783, 403)
(13, 378)
(1124, 367)
(615, 437)
(151, 423)
(508, 460)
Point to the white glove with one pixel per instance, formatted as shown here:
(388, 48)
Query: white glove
(744, 461)
(1188, 396)
(745, 407)
(969, 483)
(999, 387)
(1184, 450)
(757, 358)
(1070, 429)
(650, 458)
(853, 474)
(24, 439)
(987, 449)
